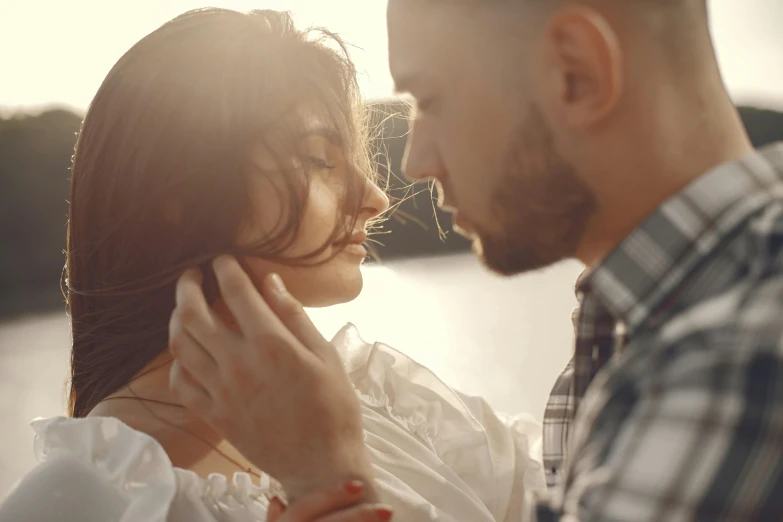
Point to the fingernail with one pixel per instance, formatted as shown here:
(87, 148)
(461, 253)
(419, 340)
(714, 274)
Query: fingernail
(384, 513)
(277, 284)
(354, 487)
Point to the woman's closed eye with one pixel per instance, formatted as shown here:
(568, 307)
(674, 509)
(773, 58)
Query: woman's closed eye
(317, 162)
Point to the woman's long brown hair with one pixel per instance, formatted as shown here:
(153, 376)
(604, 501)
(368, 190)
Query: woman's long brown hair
(161, 167)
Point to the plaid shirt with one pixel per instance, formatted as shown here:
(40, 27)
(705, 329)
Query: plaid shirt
(595, 335)
(680, 331)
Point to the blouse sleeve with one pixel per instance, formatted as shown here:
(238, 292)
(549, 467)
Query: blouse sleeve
(93, 469)
(63, 488)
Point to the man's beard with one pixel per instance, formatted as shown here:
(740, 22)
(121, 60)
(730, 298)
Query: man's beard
(540, 209)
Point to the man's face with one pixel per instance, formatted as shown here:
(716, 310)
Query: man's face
(480, 133)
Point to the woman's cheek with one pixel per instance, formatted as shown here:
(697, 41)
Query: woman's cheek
(320, 217)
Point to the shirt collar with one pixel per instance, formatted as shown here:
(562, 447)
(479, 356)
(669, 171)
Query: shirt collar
(652, 262)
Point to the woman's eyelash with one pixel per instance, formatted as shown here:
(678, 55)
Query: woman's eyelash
(315, 161)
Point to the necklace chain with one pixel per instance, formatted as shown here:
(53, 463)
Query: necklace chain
(143, 401)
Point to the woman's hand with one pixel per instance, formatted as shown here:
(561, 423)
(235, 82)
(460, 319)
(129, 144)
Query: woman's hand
(330, 505)
(276, 390)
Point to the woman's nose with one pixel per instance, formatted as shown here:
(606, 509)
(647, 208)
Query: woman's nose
(376, 202)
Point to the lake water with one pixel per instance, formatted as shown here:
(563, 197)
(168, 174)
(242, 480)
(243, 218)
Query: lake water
(504, 339)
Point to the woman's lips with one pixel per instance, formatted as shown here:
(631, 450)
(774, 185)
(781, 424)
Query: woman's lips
(355, 248)
(354, 244)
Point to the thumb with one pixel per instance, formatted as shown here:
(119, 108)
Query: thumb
(292, 314)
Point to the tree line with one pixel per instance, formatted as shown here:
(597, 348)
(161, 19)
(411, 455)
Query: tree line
(35, 156)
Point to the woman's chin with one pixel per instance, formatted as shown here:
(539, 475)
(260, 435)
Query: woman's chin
(331, 294)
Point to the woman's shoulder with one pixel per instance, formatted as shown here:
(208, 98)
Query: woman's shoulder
(99, 468)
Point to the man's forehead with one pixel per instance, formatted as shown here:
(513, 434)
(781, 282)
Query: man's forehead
(422, 37)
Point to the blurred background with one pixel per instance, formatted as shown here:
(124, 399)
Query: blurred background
(505, 339)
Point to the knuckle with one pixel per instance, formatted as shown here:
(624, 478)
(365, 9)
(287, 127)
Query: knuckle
(291, 307)
(176, 386)
(188, 315)
(185, 394)
(179, 381)
(176, 345)
(269, 341)
(233, 284)
(177, 395)
(275, 351)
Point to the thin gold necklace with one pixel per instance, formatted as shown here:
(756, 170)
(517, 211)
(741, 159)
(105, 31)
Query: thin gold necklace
(143, 402)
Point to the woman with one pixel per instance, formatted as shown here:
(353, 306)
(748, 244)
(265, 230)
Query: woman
(232, 133)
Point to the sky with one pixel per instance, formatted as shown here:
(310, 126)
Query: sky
(56, 52)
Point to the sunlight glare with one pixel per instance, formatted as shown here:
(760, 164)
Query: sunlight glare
(63, 50)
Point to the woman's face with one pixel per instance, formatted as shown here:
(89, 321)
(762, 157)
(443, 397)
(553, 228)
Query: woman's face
(339, 279)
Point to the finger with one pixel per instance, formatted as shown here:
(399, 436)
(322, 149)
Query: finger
(276, 510)
(189, 296)
(194, 314)
(190, 394)
(292, 314)
(191, 354)
(361, 513)
(252, 313)
(326, 501)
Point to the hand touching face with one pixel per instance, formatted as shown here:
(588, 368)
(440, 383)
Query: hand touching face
(276, 389)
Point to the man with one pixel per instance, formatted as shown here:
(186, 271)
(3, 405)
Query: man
(599, 130)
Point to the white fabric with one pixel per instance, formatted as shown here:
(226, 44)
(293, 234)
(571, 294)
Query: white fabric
(437, 455)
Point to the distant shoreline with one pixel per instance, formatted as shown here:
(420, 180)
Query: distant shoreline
(31, 302)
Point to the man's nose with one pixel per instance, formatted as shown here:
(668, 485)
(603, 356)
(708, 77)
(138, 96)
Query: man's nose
(422, 159)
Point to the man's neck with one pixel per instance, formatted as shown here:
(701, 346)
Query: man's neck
(656, 173)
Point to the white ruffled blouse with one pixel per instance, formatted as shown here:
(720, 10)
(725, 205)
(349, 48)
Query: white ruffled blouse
(437, 455)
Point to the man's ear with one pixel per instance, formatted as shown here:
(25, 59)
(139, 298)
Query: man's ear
(582, 67)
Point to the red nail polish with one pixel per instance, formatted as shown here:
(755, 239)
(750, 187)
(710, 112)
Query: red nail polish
(354, 487)
(384, 513)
